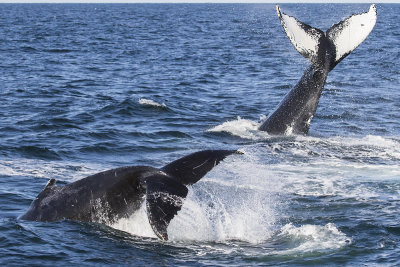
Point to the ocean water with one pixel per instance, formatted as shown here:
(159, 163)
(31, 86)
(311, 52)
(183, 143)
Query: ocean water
(89, 87)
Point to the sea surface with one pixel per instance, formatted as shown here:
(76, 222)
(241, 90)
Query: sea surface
(90, 87)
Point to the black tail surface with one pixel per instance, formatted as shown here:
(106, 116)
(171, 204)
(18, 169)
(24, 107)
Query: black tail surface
(165, 193)
(188, 170)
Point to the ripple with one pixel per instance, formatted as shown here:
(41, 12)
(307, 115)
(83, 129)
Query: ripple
(38, 152)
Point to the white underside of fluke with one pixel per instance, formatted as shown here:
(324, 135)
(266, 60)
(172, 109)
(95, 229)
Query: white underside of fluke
(351, 32)
(345, 35)
(305, 40)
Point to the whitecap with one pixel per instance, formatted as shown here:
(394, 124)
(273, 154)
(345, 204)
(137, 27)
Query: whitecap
(149, 102)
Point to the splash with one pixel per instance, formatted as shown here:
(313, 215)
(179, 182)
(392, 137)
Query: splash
(216, 213)
(219, 208)
(208, 216)
(244, 198)
(137, 224)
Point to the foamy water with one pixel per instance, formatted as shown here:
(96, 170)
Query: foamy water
(246, 197)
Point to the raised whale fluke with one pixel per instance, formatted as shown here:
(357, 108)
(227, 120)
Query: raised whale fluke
(324, 50)
(107, 196)
(348, 34)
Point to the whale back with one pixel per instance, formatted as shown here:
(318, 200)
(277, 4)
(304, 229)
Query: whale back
(104, 197)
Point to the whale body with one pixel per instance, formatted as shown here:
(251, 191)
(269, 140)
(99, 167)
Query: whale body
(107, 196)
(324, 50)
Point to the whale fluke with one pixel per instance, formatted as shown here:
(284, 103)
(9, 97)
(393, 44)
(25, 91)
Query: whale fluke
(324, 50)
(348, 34)
(304, 38)
(188, 170)
(342, 37)
(165, 195)
(164, 198)
(108, 196)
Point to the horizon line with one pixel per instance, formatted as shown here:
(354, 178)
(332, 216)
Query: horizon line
(194, 1)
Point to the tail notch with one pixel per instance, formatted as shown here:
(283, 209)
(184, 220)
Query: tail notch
(342, 37)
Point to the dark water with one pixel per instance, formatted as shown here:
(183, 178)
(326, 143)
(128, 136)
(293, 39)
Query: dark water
(84, 88)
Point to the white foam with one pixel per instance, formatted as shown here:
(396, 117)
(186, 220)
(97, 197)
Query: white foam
(245, 196)
(223, 215)
(312, 238)
(368, 140)
(368, 146)
(243, 128)
(209, 214)
(149, 102)
(228, 204)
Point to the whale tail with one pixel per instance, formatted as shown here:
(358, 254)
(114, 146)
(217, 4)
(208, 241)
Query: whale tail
(120, 192)
(340, 40)
(165, 194)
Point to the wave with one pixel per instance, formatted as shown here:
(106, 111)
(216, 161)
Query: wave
(242, 128)
(151, 103)
(64, 171)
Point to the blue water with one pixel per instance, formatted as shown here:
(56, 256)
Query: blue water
(89, 87)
